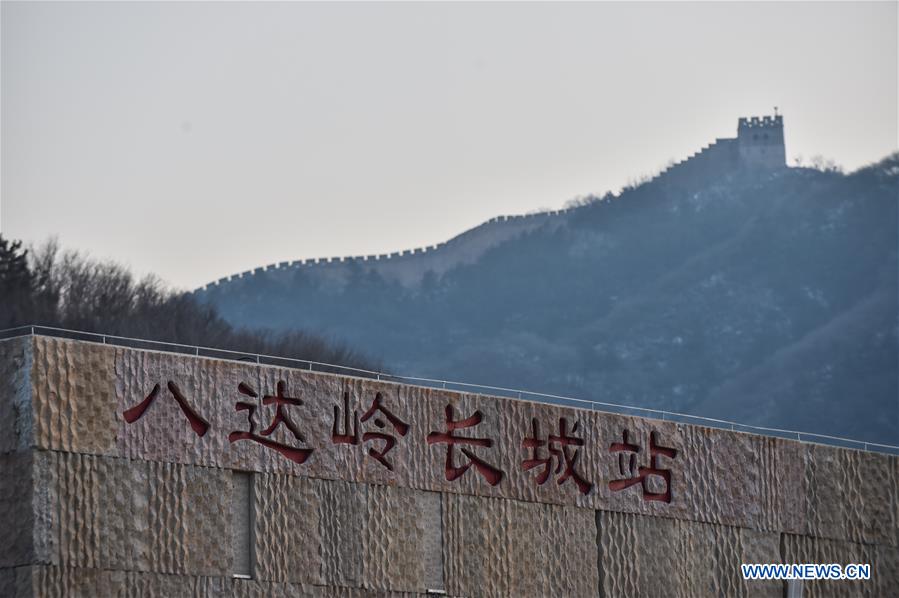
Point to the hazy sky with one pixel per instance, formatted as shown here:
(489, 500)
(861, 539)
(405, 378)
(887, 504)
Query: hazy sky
(199, 140)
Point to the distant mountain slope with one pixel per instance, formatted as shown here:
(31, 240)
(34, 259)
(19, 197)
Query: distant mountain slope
(766, 299)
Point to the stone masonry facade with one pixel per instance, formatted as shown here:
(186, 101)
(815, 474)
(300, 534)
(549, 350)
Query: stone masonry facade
(127, 472)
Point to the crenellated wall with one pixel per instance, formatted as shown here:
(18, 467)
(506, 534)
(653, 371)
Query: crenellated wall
(138, 473)
(409, 266)
(715, 159)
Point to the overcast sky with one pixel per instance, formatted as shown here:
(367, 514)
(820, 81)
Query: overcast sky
(199, 140)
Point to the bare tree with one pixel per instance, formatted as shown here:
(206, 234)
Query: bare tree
(49, 287)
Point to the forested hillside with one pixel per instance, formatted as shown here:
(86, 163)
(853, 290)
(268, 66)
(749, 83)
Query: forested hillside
(764, 299)
(47, 286)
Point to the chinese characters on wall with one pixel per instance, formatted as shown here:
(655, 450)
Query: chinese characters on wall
(548, 456)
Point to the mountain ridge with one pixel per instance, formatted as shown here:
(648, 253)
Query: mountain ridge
(702, 298)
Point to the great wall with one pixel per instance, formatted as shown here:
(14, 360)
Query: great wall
(759, 145)
(410, 265)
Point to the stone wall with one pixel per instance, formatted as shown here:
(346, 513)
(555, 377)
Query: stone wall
(363, 501)
(714, 161)
(406, 267)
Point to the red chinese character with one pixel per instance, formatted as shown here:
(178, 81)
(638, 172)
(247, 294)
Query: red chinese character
(643, 472)
(353, 438)
(199, 425)
(558, 447)
(295, 454)
(490, 473)
(346, 437)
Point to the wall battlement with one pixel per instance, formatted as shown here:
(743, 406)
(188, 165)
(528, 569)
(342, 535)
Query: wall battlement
(753, 122)
(437, 257)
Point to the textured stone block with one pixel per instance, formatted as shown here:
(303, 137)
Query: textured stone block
(287, 524)
(331, 426)
(92, 511)
(16, 510)
(243, 515)
(761, 547)
(784, 491)
(498, 547)
(648, 556)
(95, 511)
(522, 420)
(77, 582)
(333, 533)
(883, 560)
(190, 528)
(341, 508)
(885, 570)
(852, 495)
(723, 477)
(473, 546)
(52, 581)
(550, 550)
(163, 432)
(635, 563)
(74, 404)
(401, 540)
(81, 582)
(691, 469)
(711, 556)
(430, 527)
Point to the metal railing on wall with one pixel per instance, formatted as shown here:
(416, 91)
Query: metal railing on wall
(525, 395)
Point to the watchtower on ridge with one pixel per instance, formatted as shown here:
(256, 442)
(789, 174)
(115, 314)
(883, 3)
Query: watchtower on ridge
(760, 142)
(758, 147)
